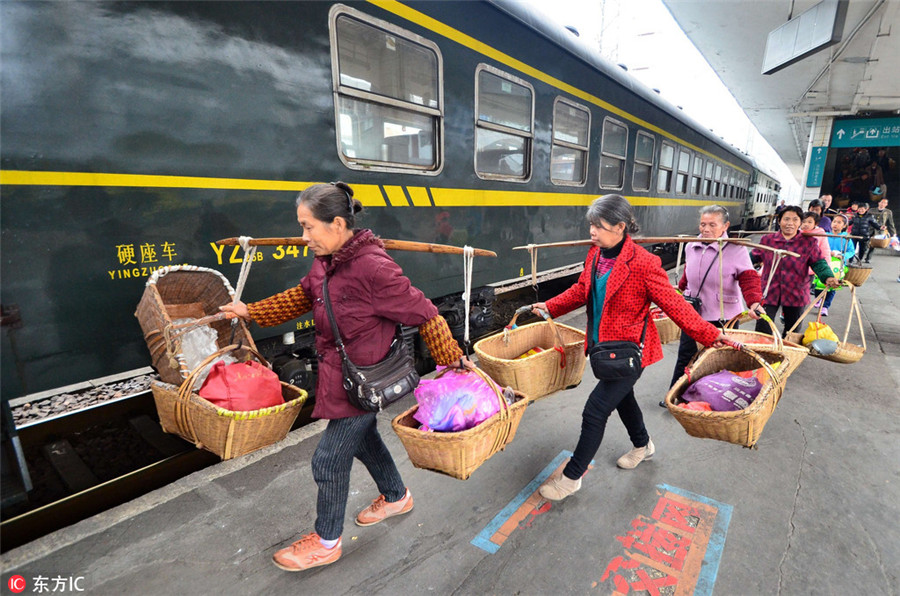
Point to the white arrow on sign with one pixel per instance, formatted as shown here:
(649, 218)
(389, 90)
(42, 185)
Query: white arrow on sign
(840, 133)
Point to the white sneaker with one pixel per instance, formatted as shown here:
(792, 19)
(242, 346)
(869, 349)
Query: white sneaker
(630, 460)
(557, 488)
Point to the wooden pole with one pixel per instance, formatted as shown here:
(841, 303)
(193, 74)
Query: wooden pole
(662, 240)
(405, 245)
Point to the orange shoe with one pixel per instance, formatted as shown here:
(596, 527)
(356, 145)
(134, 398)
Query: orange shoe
(306, 553)
(380, 510)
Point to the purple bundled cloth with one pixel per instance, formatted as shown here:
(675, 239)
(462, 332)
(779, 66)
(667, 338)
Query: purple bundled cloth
(455, 401)
(724, 391)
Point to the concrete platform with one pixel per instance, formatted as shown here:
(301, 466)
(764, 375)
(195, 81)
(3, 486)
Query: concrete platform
(814, 510)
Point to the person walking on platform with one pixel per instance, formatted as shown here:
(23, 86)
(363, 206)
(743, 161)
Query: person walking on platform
(864, 225)
(839, 247)
(789, 287)
(884, 223)
(818, 207)
(716, 298)
(371, 296)
(619, 281)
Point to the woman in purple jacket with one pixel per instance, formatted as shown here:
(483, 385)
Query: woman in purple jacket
(369, 296)
(720, 299)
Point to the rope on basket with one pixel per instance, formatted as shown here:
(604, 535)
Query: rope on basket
(468, 259)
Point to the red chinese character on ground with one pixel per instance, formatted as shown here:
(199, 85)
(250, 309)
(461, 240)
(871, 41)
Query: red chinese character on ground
(637, 577)
(677, 515)
(657, 543)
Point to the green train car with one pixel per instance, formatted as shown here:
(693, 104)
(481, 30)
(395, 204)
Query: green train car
(135, 134)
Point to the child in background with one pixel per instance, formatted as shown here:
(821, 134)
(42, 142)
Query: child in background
(840, 247)
(810, 223)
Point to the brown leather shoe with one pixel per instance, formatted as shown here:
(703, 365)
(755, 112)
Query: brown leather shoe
(306, 553)
(380, 510)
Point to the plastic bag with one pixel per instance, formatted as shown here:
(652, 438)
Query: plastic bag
(242, 386)
(455, 401)
(197, 344)
(895, 243)
(699, 406)
(724, 391)
(816, 330)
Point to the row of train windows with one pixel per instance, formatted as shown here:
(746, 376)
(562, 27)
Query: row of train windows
(388, 97)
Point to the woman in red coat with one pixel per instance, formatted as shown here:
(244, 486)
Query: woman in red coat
(619, 281)
(370, 296)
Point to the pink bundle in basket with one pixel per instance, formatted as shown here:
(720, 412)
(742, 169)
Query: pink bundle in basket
(455, 401)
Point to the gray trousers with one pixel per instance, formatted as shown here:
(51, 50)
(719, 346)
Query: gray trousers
(343, 440)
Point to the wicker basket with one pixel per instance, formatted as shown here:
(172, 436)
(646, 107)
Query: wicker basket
(667, 329)
(742, 427)
(846, 353)
(858, 274)
(226, 433)
(763, 343)
(883, 242)
(458, 454)
(559, 366)
(178, 292)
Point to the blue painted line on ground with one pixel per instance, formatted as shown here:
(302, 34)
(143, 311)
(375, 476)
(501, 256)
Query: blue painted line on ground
(483, 539)
(710, 568)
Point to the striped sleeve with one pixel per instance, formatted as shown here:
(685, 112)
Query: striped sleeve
(280, 308)
(436, 334)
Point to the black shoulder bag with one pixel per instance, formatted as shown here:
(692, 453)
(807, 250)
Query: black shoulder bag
(615, 360)
(372, 388)
(695, 300)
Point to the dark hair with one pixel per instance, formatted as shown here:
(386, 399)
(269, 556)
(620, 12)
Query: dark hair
(815, 216)
(327, 201)
(864, 204)
(837, 215)
(614, 209)
(816, 203)
(790, 209)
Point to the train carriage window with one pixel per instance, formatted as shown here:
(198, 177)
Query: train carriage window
(388, 95)
(644, 150)
(613, 147)
(666, 164)
(504, 127)
(571, 140)
(684, 168)
(707, 178)
(697, 178)
(717, 184)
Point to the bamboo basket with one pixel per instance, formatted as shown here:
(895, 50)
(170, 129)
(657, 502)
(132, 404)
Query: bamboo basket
(858, 274)
(226, 433)
(742, 427)
(559, 366)
(458, 454)
(178, 292)
(763, 343)
(880, 242)
(667, 329)
(846, 353)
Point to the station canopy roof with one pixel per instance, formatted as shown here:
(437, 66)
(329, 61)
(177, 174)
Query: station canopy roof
(857, 76)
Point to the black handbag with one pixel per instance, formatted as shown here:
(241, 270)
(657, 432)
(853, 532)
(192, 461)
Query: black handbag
(695, 301)
(372, 388)
(613, 360)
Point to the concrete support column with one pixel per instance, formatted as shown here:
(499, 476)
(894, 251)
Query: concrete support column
(819, 138)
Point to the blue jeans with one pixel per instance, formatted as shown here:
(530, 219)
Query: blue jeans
(607, 396)
(343, 440)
